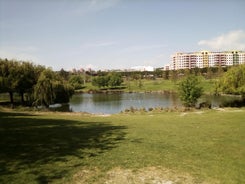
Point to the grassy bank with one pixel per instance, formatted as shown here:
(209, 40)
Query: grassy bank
(156, 85)
(178, 147)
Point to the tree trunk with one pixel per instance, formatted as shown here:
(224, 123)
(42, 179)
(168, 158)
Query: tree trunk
(22, 98)
(11, 96)
(45, 104)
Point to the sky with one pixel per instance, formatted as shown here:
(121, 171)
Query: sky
(117, 34)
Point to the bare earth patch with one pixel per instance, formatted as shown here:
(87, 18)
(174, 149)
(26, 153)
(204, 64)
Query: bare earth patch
(147, 175)
(183, 114)
(103, 115)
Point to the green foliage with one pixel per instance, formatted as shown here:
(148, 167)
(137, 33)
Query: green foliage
(51, 89)
(173, 75)
(166, 75)
(115, 79)
(16, 77)
(110, 80)
(8, 74)
(158, 73)
(63, 92)
(190, 91)
(233, 81)
(26, 79)
(44, 89)
(100, 81)
(76, 81)
(63, 74)
(39, 85)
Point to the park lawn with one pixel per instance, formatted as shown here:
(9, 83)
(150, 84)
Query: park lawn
(157, 85)
(151, 85)
(140, 86)
(172, 147)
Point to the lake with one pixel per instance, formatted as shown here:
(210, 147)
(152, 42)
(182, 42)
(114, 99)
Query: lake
(115, 103)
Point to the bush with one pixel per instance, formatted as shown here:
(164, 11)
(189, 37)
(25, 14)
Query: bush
(190, 91)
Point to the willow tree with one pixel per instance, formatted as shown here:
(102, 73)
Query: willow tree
(26, 79)
(8, 77)
(233, 81)
(50, 88)
(44, 89)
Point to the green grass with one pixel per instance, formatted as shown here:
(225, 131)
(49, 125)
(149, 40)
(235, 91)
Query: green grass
(203, 146)
(151, 85)
(145, 85)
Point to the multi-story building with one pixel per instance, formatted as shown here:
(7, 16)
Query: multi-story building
(204, 59)
(241, 57)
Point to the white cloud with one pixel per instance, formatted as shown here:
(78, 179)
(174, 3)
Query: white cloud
(228, 41)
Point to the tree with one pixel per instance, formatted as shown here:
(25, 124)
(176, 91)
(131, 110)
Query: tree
(64, 74)
(37, 84)
(100, 81)
(8, 78)
(173, 75)
(51, 89)
(44, 89)
(196, 71)
(190, 91)
(158, 73)
(76, 81)
(112, 80)
(115, 79)
(26, 79)
(220, 71)
(166, 75)
(233, 81)
(63, 92)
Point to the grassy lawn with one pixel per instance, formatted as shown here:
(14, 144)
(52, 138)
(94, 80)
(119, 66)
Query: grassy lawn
(190, 147)
(151, 85)
(166, 85)
(145, 85)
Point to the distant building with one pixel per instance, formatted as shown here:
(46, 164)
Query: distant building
(204, 59)
(142, 68)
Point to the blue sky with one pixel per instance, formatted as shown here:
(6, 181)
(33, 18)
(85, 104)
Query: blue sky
(113, 34)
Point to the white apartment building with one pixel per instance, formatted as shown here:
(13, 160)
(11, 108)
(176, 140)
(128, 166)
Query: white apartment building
(241, 57)
(204, 59)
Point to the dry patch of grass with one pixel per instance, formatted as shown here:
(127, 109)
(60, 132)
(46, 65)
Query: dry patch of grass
(147, 175)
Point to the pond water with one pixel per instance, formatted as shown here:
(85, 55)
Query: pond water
(115, 103)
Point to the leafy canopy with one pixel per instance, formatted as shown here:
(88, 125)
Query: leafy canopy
(112, 80)
(35, 84)
(233, 81)
(190, 91)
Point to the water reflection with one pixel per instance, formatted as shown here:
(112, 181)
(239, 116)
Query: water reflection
(113, 99)
(114, 103)
(218, 101)
(96, 103)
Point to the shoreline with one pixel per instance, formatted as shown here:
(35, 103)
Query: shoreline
(146, 91)
(121, 91)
